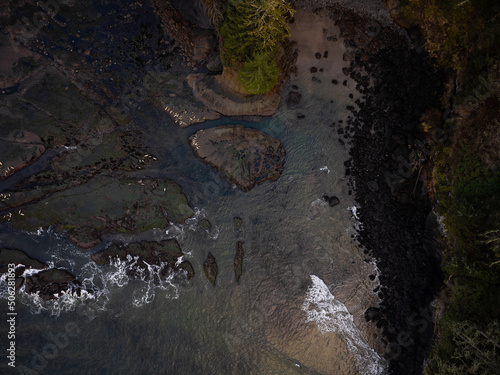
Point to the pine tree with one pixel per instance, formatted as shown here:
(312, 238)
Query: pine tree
(259, 74)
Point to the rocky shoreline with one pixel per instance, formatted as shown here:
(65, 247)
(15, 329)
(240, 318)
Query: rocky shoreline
(394, 207)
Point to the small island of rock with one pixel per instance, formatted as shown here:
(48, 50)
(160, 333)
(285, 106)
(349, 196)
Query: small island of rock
(244, 156)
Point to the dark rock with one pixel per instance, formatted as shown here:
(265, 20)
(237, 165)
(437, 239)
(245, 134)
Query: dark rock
(238, 261)
(49, 283)
(204, 223)
(372, 313)
(372, 185)
(293, 99)
(313, 69)
(18, 257)
(335, 82)
(332, 201)
(188, 267)
(210, 268)
(238, 222)
(325, 54)
(164, 254)
(317, 55)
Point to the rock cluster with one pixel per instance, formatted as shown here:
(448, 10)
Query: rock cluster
(392, 211)
(48, 283)
(165, 255)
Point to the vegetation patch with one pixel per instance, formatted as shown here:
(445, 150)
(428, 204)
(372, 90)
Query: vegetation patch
(250, 35)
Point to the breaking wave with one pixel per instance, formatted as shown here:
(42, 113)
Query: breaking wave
(97, 283)
(331, 315)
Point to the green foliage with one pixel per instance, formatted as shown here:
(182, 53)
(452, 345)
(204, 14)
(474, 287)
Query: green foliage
(213, 10)
(258, 75)
(467, 186)
(461, 36)
(250, 35)
(470, 349)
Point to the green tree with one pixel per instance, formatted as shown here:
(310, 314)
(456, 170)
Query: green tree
(250, 33)
(259, 74)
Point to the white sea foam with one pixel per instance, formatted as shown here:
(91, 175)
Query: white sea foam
(325, 169)
(354, 211)
(97, 283)
(331, 315)
(179, 231)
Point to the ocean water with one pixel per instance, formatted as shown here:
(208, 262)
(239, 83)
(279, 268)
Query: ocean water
(282, 317)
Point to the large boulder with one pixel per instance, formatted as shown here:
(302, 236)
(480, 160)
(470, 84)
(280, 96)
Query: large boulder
(50, 283)
(244, 156)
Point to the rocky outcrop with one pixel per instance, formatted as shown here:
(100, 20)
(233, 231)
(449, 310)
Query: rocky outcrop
(105, 205)
(238, 261)
(223, 94)
(139, 256)
(48, 283)
(210, 268)
(393, 207)
(17, 257)
(244, 156)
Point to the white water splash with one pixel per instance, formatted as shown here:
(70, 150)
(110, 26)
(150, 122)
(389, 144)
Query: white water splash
(179, 231)
(331, 315)
(97, 283)
(354, 211)
(325, 169)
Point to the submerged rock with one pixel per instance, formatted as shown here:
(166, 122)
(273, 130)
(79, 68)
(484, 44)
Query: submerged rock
(293, 99)
(238, 261)
(238, 222)
(210, 268)
(244, 156)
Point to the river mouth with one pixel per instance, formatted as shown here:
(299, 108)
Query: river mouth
(295, 243)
